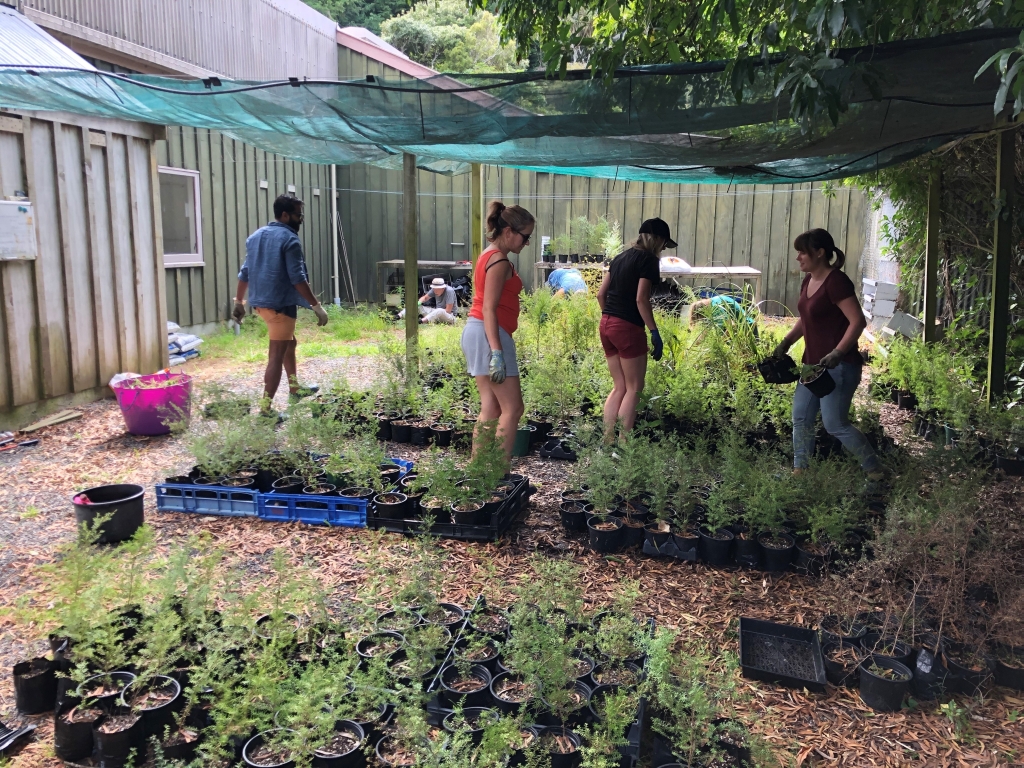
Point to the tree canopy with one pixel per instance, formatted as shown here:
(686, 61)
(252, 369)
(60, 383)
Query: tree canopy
(450, 36)
(359, 13)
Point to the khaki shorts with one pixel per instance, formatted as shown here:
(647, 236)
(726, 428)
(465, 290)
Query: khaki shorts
(279, 325)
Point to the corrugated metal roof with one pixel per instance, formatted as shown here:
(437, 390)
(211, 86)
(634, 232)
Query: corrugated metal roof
(24, 43)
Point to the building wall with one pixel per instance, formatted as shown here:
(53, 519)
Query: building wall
(89, 305)
(246, 39)
(720, 225)
(234, 204)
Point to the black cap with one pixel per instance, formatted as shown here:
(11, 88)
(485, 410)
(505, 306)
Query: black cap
(658, 228)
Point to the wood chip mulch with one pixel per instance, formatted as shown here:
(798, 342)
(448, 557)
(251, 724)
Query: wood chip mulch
(805, 729)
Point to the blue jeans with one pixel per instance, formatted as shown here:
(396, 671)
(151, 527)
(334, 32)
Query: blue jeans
(835, 415)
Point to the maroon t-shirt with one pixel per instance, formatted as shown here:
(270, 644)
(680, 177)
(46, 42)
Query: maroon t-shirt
(824, 322)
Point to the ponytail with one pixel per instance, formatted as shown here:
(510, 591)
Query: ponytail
(819, 239)
(500, 217)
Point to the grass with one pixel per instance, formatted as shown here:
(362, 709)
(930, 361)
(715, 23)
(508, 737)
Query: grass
(333, 340)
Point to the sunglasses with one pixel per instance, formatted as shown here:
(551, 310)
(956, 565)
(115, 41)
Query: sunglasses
(526, 238)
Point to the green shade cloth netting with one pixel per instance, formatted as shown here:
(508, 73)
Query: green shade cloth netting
(666, 123)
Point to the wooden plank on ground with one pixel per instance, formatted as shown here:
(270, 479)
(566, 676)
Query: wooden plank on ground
(51, 420)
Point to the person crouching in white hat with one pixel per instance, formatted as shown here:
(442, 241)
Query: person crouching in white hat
(438, 304)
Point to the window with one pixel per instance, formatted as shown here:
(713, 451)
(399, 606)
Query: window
(179, 207)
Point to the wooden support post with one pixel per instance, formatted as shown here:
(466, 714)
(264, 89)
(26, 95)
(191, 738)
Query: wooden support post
(410, 206)
(999, 314)
(476, 215)
(931, 254)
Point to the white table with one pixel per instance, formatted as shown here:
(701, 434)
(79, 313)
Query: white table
(741, 275)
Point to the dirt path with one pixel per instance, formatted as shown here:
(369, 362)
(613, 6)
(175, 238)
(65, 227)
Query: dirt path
(833, 729)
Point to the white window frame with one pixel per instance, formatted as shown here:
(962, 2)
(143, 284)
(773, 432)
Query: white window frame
(175, 260)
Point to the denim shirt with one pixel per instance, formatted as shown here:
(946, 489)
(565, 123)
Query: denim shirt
(273, 266)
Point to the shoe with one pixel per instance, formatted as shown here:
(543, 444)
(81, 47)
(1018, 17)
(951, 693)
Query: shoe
(301, 392)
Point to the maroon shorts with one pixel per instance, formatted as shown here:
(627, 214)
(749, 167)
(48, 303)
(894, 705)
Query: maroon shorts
(620, 338)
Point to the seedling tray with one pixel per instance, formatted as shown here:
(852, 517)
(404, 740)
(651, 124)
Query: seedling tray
(234, 502)
(509, 512)
(779, 653)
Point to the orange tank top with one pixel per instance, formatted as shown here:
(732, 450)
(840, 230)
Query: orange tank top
(508, 304)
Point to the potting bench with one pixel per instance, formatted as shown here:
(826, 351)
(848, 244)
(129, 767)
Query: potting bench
(743, 275)
(442, 266)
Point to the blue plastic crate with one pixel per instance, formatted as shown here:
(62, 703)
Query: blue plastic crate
(207, 500)
(315, 510)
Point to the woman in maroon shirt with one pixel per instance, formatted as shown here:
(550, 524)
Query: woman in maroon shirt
(831, 321)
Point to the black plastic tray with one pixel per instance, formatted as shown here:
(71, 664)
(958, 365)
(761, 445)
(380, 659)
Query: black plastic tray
(779, 653)
(510, 511)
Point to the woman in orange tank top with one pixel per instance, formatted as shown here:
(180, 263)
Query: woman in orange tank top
(487, 338)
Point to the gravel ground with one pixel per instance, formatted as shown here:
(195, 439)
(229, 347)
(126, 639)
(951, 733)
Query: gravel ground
(834, 729)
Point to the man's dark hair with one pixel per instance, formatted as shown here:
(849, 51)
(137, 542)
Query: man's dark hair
(286, 204)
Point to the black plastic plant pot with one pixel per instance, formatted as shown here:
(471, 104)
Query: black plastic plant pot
(119, 735)
(1008, 667)
(573, 515)
(441, 434)
(391, 505)
(575, 715)
(386, 757)
(343, 754)
(401, 432)
(884, 688)
(658, 533)
(252, 752)
(488, 660)
(632, 533)
(930, 675)
(356, 492)
(687, 540)
(835, 627)
(716, 546)
(808, 559)
(383, 428)
(606, 534)
(469, 513)
(73, 741)
(286, 629)
(543, 428)
(420, 434)
(502, 697)
(1011, 464)
(841, 672)
(821, 383)
(446, 614)
(492, 505)
(320, 489)
(181, 746)
(906, 400)
(104, 690)
(291, 484)
(35, 686)
(776, 550)
(473, 720)
(389, 473)
(746, 549)
(380, 644)
(158, 703)
(876, 644)
(122, 502)
(472, 690)
(374, 726)
(563, 747)
(965, 677)
(584, 666)
(605, 676)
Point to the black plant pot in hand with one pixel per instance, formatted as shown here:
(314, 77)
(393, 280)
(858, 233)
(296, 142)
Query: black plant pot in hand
(35, 686)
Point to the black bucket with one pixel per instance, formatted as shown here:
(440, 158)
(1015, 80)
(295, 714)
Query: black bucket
(123, 502)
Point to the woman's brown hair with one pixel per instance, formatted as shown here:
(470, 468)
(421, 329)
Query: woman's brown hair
(815, 239)
(501, 217)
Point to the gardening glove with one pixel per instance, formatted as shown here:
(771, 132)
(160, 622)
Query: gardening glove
(780, 350)
(657, 345)
(497, 366)
(321, 315)
(832, 359)
(238, 313)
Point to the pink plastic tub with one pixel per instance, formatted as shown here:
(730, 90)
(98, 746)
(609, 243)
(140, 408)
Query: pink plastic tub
(151, 411)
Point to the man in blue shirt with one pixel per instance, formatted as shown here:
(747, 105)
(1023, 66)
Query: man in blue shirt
(275, 275)
(563, 281)
(720, 309)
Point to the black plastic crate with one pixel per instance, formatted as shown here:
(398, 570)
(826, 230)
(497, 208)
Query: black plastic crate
(510, 511)
(779, 653)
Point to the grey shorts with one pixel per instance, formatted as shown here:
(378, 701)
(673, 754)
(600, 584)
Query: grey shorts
(477, 349)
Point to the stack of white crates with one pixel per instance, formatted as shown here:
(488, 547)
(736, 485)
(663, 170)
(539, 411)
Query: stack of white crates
(880, 300)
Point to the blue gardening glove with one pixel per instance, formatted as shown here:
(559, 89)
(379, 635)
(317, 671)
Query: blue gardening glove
(497, 366)
(657, 345)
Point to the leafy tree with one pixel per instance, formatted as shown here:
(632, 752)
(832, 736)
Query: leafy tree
(359, 13)
(451, 36)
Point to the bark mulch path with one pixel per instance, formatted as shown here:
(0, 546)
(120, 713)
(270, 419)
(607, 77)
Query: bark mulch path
(806, 729)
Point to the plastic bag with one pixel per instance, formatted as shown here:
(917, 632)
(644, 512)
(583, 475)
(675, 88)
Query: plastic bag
(119, 377)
